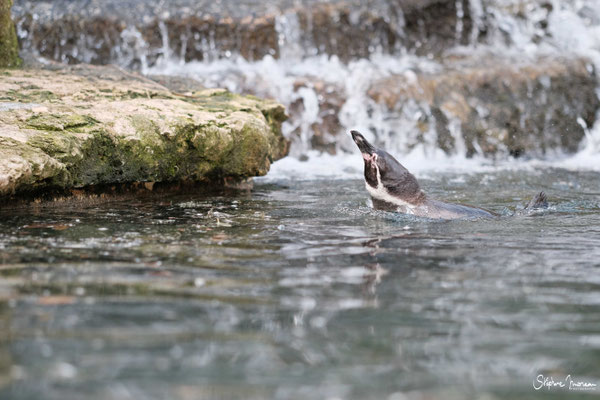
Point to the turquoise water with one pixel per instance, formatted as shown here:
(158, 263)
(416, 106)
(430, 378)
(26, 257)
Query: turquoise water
(298, 289)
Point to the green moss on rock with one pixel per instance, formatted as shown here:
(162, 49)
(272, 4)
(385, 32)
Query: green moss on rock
(9, 48)
(213, 141)
(52, 122)
(94, 139)
(62, 146)
(250, 153)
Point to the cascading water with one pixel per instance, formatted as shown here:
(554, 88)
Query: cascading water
(570, 29)
(327, 94)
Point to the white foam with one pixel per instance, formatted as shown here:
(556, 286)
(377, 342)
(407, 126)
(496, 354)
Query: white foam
(350, 166)
(318, 165)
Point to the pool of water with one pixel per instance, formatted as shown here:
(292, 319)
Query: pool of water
(298, 289)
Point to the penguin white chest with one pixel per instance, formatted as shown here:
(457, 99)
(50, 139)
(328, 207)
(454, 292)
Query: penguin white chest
(381, 193)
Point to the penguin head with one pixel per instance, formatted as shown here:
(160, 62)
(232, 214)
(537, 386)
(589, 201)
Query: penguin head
(385, 174)
(370, 157)
(364, 146)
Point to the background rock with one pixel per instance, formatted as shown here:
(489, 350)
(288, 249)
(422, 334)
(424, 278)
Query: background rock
(97, 125)
(9, 56)
(494, 106)
(329, 100)
(135, 33)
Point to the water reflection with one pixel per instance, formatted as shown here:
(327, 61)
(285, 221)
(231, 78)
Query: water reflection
(298, 290)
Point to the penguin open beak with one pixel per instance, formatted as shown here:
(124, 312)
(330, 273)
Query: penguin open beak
(364, 146)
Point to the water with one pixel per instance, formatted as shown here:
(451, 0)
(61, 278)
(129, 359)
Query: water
(298, 289)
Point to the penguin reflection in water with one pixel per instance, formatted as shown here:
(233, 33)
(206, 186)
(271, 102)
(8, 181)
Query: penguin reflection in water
(393, 188)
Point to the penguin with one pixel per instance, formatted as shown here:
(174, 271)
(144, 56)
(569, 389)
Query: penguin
(393, 188)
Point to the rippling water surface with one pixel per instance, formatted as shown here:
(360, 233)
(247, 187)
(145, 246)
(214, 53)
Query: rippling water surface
(298, 289)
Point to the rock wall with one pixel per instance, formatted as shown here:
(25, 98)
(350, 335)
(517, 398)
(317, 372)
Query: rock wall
(499, 106)
(9, 50)
(473, 105)
(137, 32)
(98, 125)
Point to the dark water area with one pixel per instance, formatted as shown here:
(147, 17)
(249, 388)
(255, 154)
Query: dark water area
(298, 289)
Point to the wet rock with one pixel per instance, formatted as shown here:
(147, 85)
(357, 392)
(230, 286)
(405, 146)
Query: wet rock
(135, 40)
(86, 125)
(138, 33)
(318, 102)
(9, 56)
(489, 106)
(179, 84)
(351, 31)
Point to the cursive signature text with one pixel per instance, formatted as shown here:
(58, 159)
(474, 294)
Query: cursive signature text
(550, 382)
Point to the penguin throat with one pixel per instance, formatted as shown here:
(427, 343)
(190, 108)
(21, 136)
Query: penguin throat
(380, 192)
(371, 170)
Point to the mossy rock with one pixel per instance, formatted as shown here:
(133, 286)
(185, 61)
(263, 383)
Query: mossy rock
(9, 48)
(97, 139)
(50, 122)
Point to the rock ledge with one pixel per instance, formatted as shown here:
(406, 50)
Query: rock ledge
(87, 125)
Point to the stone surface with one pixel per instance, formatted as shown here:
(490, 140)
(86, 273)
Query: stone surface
(9, 50)
(85, 125)
(494, 106)
(351, 31)
(329, 101)
(136, 32)
(178, 84)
